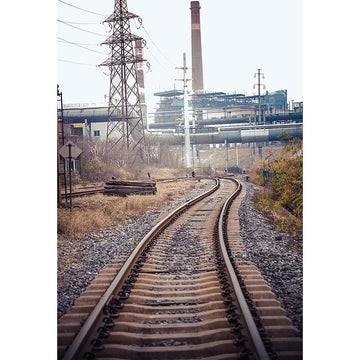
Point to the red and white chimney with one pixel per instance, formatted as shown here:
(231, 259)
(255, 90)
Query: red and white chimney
(196, 55)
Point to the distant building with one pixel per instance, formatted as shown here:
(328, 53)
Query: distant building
(298, 106)
(90, 122)
(217, 105)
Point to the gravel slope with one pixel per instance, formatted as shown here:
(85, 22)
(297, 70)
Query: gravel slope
(278, 256)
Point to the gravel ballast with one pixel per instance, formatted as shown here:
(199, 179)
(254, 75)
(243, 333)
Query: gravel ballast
(278, 256)
(271, 251)
(101, 248)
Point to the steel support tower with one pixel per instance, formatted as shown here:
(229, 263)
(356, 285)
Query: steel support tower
(125, 121)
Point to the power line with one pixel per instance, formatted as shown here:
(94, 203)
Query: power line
(79, 23)
(171, 62)
(154, 57)
(83, 47)
(76, 7)
(77, 63)
(84, 44)
(76, 27)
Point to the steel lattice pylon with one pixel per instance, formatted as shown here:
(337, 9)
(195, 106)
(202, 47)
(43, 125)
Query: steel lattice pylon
(125, 122)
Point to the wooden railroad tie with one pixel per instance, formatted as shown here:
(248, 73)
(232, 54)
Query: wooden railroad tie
(125, 187)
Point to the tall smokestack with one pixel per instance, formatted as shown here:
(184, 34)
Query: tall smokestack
(197, 70)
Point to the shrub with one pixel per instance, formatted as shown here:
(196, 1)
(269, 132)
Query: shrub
(93, 170)
(282, 178)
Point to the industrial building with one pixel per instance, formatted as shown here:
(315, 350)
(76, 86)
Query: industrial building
(216, 108)
(209, 111)
(216, 105)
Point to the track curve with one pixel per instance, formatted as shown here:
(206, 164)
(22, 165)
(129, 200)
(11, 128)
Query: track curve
(177, 296)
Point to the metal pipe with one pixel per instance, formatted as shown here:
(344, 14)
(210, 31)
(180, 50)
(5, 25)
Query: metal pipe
(100, 114)
(240, 136)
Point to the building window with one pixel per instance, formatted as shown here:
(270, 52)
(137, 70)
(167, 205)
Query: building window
(77, 130)
(96, 132)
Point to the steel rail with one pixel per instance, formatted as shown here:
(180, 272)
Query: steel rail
(254, 333)
(83, 193)
(83, 335)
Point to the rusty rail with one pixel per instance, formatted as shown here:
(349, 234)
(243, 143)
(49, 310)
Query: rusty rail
(88, 327)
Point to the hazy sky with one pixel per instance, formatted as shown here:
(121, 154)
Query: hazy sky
(238, 37)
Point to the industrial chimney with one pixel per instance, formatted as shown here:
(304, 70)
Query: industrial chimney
(197, 70)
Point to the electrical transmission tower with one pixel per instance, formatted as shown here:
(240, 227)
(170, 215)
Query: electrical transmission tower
(125, 121)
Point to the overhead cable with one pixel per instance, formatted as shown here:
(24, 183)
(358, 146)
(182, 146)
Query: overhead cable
(166, 70)
(83, 47)
(76, 27)
(77, 63)
(171, 62)
(91, 12)
(84, 44)
(80, 23)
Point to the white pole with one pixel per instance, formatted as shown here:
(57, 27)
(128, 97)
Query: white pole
(237, 154)
(186, 121)
(226, 156)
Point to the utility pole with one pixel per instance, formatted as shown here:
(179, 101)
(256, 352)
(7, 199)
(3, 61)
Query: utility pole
(251, 145)
(186, 114)
(258, 74)
(226, 156)
(237, 154)
(125, 120)
(70, 171)
(61, 163)
(259, 107)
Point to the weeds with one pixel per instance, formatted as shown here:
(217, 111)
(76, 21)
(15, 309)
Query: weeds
(98, 212)
(282, 199)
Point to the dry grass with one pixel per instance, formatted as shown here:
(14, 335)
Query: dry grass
(280, 217)
(99, 212)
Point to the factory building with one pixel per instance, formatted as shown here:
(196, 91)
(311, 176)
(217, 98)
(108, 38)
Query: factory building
(217, 105)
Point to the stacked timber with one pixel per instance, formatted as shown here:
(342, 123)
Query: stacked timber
(125, 187)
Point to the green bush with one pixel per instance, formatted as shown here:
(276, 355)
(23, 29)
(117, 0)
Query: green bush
(283, 181)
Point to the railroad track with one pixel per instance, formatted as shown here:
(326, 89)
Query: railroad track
(100, 189)
(85, 192)
(179, 295)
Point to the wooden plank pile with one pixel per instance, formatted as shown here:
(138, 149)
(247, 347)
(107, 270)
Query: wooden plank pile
(126, 187)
